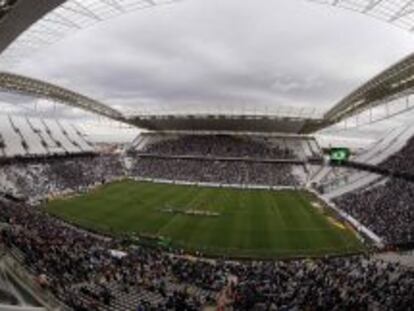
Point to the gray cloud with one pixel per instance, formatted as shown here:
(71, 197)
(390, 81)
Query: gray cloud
(224, 52)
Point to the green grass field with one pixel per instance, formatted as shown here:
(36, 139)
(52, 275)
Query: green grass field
(259, 224)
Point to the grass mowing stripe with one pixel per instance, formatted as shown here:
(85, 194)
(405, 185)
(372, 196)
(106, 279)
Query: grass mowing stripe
(278, 240)
(179, 224)
(176, 199)
(252, 223)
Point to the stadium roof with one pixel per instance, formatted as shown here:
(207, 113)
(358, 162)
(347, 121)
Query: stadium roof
(27, 86)
(397, 12)
(394, 82)
(28, 25)
(228, 123)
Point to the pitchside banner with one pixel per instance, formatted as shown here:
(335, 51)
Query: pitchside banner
(339, 154)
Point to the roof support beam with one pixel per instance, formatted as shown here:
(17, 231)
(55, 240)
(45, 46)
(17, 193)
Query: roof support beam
(21, 19)
(57, 18)
(371, 5)
(115, 4)
(394, 82)
(27, 86)
(405, 10)
(78, 8)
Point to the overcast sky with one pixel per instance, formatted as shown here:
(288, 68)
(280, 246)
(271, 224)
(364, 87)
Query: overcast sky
(223, 52)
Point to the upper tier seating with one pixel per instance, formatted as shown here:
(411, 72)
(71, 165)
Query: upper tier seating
(223, 146)
(223, 159)
(223, 172)
(32, 137)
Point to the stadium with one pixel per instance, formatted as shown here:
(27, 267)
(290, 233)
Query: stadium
(208, 207)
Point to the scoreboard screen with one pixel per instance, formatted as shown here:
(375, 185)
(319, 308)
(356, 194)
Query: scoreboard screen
(339, 154)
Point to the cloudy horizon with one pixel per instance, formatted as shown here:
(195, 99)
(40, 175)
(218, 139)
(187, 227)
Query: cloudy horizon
(224, 53)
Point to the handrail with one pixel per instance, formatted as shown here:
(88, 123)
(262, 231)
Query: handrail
(13, 266)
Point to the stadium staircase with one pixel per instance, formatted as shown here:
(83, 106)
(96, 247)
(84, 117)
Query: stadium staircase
(39, 136)
(339, 181)
(2, 147)
(20, 135)
(386, 146)
(33, 137)
(31, 297)
(52, 137)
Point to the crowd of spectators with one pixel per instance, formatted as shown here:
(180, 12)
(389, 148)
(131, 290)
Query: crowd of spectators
(222, 172)
(402, 161)
(387, 209)
(88, 272)
(219, 146)
(38, 178)
(83, 272)
(244, 163)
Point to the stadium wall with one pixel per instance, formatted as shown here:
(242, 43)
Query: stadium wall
(217, 185)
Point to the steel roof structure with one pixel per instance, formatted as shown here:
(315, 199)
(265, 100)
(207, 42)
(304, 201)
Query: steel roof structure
(26, 26)
(399, 13)
(27, 86)
(227, 123)
(394, 82)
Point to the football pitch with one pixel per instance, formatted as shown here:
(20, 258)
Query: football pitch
(214, 221)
